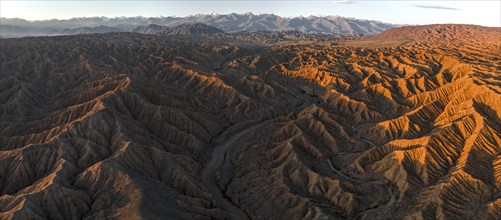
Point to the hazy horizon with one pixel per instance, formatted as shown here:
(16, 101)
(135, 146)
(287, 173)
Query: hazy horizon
(485, 13)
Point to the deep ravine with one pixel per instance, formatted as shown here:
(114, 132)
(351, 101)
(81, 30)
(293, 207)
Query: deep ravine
(208, 173)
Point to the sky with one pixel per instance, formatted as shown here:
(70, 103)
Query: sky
(481, 12)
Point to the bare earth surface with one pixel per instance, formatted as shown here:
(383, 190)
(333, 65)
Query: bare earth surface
(402, 125)
(208, 173)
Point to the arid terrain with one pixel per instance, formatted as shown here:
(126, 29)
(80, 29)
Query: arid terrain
(401, 125)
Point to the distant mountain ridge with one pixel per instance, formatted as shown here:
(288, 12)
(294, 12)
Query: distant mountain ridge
(228, 22)
(182, 29)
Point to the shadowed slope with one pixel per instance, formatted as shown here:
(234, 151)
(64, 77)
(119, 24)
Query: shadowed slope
(121, 125)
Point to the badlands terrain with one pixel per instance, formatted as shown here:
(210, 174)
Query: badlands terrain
(401, 125)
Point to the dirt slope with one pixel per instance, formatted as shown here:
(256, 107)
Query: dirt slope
(128, 126)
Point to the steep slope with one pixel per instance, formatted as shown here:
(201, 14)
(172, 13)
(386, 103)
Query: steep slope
(123, 124)
(150, 29)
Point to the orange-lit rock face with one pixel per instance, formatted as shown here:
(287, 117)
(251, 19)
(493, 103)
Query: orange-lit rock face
(139, 126)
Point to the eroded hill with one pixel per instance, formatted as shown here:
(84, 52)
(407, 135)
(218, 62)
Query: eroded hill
(126, 125)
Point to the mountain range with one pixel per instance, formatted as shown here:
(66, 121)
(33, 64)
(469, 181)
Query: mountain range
(8, 31)
(15, 27)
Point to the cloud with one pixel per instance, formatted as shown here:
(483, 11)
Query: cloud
(436, 7)
(344, 1)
